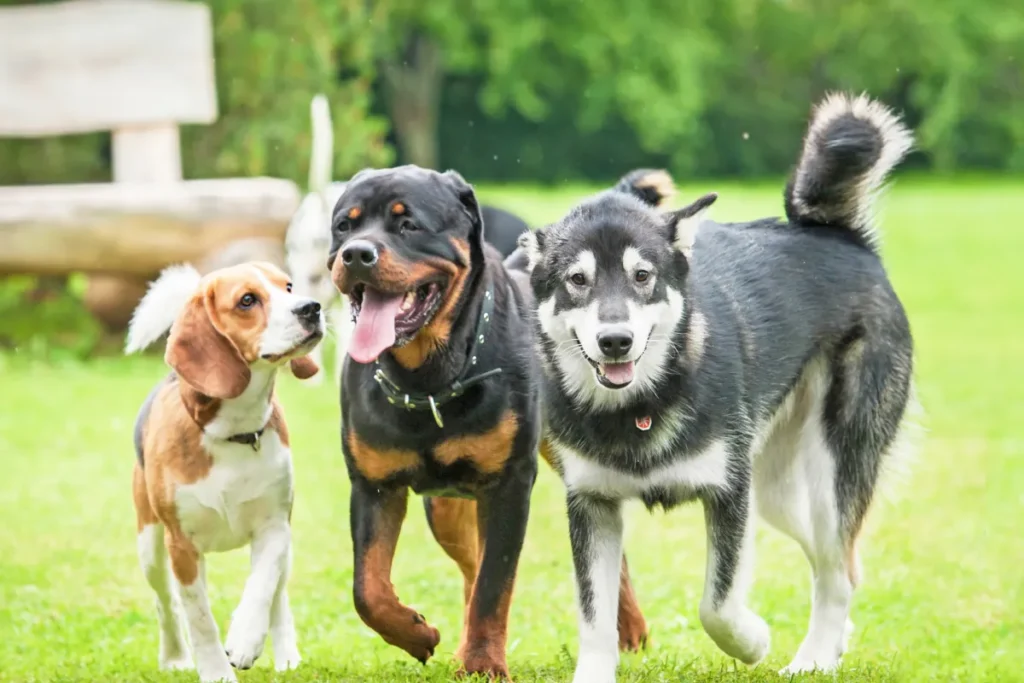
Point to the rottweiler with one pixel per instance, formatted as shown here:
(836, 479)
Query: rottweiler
(440, 394)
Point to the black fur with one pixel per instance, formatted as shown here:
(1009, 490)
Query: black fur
(754, 318)
(444, 207)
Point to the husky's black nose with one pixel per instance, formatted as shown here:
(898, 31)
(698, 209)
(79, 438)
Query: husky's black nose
(615, 342)
(308, 312)
(359, 256)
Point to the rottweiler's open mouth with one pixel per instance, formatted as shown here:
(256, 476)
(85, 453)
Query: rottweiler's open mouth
(384, 319)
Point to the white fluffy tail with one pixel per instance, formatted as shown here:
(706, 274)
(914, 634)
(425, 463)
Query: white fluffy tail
(321, 160)
(852, 144)
(160, 307)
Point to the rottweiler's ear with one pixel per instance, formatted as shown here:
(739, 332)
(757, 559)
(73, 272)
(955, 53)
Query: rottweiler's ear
(533, 244)
(682, 224)
(464, 191)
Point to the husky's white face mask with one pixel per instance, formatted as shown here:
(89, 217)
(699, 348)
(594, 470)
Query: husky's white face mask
(609, 281)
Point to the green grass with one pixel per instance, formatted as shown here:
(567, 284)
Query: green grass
(944, 556)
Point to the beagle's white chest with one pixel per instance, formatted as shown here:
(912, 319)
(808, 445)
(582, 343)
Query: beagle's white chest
(243, 491)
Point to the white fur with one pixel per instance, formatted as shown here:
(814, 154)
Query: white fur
(163, 302)
(284, 330)
(599, 640)
(529, 242)
(585, 265)
(321, 161)
(654, 324)
(686, 475)
(174, 650)
(632, 262)
(308, 239)
(211, 662)
(686, 232)
(897, 140)
(246, 498)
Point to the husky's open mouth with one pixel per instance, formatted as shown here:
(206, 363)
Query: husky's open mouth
(384, 319)
(609, 374)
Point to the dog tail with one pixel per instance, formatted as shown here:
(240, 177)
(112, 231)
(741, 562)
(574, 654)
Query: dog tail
(163, 302)
(321, 161)
(852, 144)
(653, 187)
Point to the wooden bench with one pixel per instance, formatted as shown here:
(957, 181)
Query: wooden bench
(139, 69)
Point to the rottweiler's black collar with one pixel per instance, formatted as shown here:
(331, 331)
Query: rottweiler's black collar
(433, 402)
(248, 439)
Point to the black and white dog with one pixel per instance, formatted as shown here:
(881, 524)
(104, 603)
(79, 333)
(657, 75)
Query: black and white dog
(762, 366)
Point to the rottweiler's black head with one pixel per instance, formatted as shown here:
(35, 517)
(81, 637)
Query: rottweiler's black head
(404, 242)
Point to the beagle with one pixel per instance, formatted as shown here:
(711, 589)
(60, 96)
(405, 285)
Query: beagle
(213, 470)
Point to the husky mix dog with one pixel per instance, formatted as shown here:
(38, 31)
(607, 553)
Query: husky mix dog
(752, 366)
(308, 240)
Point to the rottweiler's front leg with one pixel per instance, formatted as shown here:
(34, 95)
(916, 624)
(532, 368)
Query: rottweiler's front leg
(377, 515)
(504, 510)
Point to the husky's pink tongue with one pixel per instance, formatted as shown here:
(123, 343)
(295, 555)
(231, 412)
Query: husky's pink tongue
(618, 373)
(375, 327)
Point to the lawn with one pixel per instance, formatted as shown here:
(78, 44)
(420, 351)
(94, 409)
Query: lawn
(942, 597)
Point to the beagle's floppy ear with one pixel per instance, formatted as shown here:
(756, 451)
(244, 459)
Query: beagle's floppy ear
(303, 367)
(202, 356)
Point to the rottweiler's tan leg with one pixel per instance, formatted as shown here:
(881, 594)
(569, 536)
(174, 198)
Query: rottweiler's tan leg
(377, 514)
(453, 522)
(632, 625)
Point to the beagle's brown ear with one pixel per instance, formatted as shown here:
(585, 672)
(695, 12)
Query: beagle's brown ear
(203, 357)
(303, 367)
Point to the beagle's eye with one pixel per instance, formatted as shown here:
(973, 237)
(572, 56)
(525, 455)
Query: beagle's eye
(642, 276)
(249, 300)
(288, 288)
(578, 279)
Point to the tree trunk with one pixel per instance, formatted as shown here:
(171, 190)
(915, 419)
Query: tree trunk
(413, 83)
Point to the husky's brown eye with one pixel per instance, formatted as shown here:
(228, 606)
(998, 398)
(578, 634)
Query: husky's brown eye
(578, 279)
(247, 301)
(642, 275)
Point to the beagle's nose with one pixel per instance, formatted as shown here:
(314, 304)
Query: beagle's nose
(615, 342)
(360, 256)
(309, 311)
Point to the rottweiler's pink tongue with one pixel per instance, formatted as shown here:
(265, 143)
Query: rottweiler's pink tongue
(375, 326)
(618, 373)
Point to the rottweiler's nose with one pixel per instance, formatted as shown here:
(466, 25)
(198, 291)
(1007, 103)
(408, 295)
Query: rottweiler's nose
(308, 312)
(615, 342)
(359, 255)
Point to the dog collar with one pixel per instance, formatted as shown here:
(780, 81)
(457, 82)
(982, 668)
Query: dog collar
(248, 439)
(432, 402)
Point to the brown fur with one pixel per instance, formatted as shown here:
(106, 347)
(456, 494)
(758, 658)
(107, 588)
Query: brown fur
(488, 451)
(354, 213)
(398, 208)
(378, 464)
(210, 348)
(483, 648)
(379, 606)
(436, 334)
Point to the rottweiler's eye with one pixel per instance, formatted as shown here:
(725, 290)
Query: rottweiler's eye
(408, 226)
(642, 276)
(249, 300)
(578, 279)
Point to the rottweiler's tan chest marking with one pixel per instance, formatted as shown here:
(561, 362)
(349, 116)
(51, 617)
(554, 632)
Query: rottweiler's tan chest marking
(488, 451)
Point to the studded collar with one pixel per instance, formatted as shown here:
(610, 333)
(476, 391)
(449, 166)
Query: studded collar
(432, 402)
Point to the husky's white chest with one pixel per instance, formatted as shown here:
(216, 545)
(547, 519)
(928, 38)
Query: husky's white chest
(683, 476)
(243, 491)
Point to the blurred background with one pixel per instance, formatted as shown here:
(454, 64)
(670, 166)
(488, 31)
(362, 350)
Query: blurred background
(526, 92)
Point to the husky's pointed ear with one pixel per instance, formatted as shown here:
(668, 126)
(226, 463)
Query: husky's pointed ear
(683, 223)
(532, 242)
(467, 196)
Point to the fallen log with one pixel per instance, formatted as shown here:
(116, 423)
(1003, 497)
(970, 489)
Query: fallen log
(135, 229)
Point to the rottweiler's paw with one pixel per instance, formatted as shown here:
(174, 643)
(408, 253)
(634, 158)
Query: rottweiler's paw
(633, 635)
(488, 666)
(420, 640)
